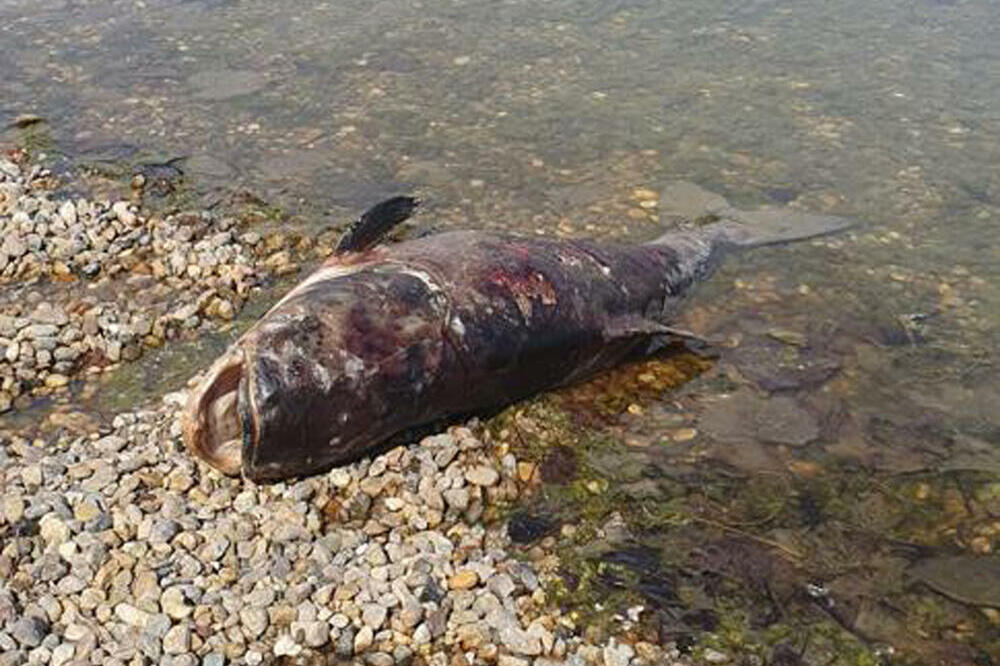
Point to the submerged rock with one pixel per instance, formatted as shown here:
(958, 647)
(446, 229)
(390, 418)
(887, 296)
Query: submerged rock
(744, 416)
(966, 578)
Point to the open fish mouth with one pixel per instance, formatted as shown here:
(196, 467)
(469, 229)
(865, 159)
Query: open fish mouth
(213, 420)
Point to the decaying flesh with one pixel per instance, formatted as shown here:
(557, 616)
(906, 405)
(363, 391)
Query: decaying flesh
(381, 341)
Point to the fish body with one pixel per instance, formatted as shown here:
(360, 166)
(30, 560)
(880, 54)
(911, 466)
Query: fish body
(388, 339)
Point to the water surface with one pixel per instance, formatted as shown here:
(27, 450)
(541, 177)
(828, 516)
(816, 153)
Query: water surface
(802, 497)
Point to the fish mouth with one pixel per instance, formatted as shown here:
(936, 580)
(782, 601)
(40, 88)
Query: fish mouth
(213, 420)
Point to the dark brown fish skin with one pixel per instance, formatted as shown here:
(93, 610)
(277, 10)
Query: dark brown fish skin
(380, 342)
(447, 325)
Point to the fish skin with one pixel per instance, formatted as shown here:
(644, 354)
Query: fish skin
(380, 342)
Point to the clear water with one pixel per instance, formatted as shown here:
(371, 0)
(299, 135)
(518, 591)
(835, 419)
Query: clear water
(545, 118)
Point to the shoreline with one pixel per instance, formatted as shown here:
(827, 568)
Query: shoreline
(120, 548)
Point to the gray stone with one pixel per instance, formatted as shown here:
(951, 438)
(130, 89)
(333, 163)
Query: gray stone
(501, 585)
(214, 659)
(110, 444)
(402, 655)
(157, 626)
(47, 313)
(42, 331)
(315, 634)
(30, 631)
(345, 643)
(513, 637)
(379, 659)
(262, 597)
(457, 498)
(373, 616)
(7, 326)
(422, 635)
(13, 247)
(61, 654)
(163, 531)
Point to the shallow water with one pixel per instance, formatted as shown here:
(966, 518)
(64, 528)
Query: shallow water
(847, 434)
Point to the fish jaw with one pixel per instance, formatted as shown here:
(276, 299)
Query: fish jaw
(212, 421)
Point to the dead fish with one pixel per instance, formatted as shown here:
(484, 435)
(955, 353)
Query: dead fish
(382, 340)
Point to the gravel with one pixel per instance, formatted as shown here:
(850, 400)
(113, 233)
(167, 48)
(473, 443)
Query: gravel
(85, 285)
(363, 560)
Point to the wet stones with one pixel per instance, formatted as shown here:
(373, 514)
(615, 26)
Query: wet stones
(153, 279)
(744, 416)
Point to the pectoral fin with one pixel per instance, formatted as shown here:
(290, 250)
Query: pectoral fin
(661, 335)
(632, 326)
(377, 221)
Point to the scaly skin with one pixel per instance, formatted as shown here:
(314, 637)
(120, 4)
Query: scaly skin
(379, 343)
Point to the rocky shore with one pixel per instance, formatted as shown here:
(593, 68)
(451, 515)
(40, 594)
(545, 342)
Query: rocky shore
(116, 547)
(89, 284)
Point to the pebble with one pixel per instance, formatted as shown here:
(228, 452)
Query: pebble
(482, 475)
(286, 647)
(174, 604)
(345, 643)
(511, 660)
(13, 508)
(618, 654)
(213, 659)
(62, 654)
(52, 528)
(254, 621)
(457, 498)
(713, 656)
(315, 634)
(364, 639)
(374, 616)
(466, 579)
(68, 213)
(177, 639)
(29, 631)
(131, 615)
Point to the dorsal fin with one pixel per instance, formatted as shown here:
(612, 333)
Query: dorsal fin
(377, 221)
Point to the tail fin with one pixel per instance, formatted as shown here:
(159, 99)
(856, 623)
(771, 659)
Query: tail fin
(747, 229)
(734, 228)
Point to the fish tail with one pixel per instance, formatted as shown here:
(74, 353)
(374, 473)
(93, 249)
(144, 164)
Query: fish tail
(758, 228)
(739, 229)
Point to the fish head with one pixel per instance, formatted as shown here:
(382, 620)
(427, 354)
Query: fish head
(274, 405)
(333, 370)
